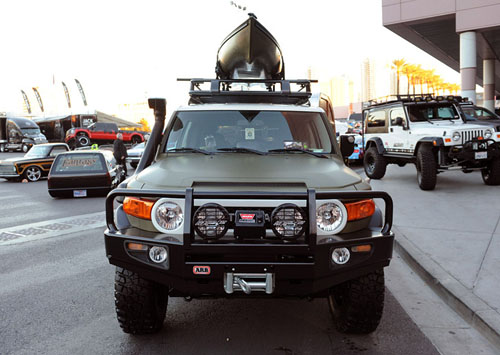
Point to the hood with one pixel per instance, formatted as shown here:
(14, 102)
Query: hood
(230, 171)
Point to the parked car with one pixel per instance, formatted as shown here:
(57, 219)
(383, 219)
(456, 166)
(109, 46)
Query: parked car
(135, 154)
(480, 115)
(19, 133)
(84, 173)
(430, 132)
(100, 133)
(33, 165)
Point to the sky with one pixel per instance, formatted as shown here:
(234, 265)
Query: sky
(125, 51)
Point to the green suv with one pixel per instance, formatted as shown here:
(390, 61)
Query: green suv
(245, 194)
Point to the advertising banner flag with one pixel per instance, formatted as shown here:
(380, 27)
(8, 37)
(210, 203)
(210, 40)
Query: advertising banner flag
(81, 92)
(26, 101)
(39, 98)
(66, 92)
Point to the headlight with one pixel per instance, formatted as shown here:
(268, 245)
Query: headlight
(331, 217)
(166, 215)
(488, 133)
(211, 221)
(288, 221)
(456, 136)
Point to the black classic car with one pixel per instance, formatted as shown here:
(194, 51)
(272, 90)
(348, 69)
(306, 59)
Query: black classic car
(33, 165)
(84, 173)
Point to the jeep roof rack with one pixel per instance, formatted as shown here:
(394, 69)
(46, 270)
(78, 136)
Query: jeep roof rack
(295, 92)
(417, 98)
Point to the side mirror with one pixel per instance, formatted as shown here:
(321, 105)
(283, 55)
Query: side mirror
(398, 121)
(346, 145)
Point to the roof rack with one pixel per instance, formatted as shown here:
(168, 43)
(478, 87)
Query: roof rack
(414, 98)
(295, 92)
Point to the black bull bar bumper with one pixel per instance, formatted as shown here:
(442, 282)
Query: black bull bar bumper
(300, 269)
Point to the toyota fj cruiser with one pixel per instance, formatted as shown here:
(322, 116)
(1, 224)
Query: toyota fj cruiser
(245, 194)
(430, 132)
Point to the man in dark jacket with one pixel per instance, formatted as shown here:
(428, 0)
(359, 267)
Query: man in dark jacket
(120, 152)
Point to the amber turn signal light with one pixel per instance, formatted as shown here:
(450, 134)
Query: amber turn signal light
(136, 246)
(360, 209)
(361, 248)
(138, 207)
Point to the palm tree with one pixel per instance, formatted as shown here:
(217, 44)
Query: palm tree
(408, 70)
(398, 64)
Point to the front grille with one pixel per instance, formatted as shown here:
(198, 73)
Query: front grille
(470, 135)
(7, 169)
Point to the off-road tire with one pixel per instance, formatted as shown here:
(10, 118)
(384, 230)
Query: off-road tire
(134, 165)
(426, 168)
(356, 305)
(83, 139)
(374, 164)
(491, 175)
(141, 304)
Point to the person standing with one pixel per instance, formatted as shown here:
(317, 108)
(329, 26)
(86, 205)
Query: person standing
(120, 152)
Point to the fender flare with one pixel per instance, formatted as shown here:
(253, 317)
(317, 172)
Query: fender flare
(433, 141)
(377, 142)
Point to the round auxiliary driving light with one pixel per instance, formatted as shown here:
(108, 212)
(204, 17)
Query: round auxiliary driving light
(331, 217)
(340, 255)
(158, 254)
(456, 136)
(211, 221)
(288, 221)
(166, 215)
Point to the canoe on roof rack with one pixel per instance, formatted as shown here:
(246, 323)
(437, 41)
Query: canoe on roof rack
(295, 92)
(250, 51)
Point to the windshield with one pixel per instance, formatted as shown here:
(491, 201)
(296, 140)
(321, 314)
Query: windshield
(423, 112)
(38, 151)
(260, 131)
(31, 130)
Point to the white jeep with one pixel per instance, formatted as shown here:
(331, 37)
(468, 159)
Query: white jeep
(431, 133)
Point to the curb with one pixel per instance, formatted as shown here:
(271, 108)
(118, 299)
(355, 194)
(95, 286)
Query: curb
(463, 301)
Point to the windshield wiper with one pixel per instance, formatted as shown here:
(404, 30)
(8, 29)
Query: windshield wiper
(319, 155)
(188, 150)
(241, 150)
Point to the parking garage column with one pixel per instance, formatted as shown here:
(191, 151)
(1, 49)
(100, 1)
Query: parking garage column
(468, 64)
(489, 84)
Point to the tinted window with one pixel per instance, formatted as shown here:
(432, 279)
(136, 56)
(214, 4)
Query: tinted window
(376, 119)
(397, 112)
(423, 112)
(78, 163)
(260, 130)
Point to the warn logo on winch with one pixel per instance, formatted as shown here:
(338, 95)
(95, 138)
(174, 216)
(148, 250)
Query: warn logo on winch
(201, 270)
(247, 217)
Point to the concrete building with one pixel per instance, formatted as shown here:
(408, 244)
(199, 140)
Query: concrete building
(464, 34)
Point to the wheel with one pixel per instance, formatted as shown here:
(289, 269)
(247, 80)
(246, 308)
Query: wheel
(426, 168)
(491, 174)
(141, 304)
(401, 164)
(356, 305)
(33, 173)
(374, 164)
(83, 139)
(25, 148)
(136, 140)
(133, 165)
